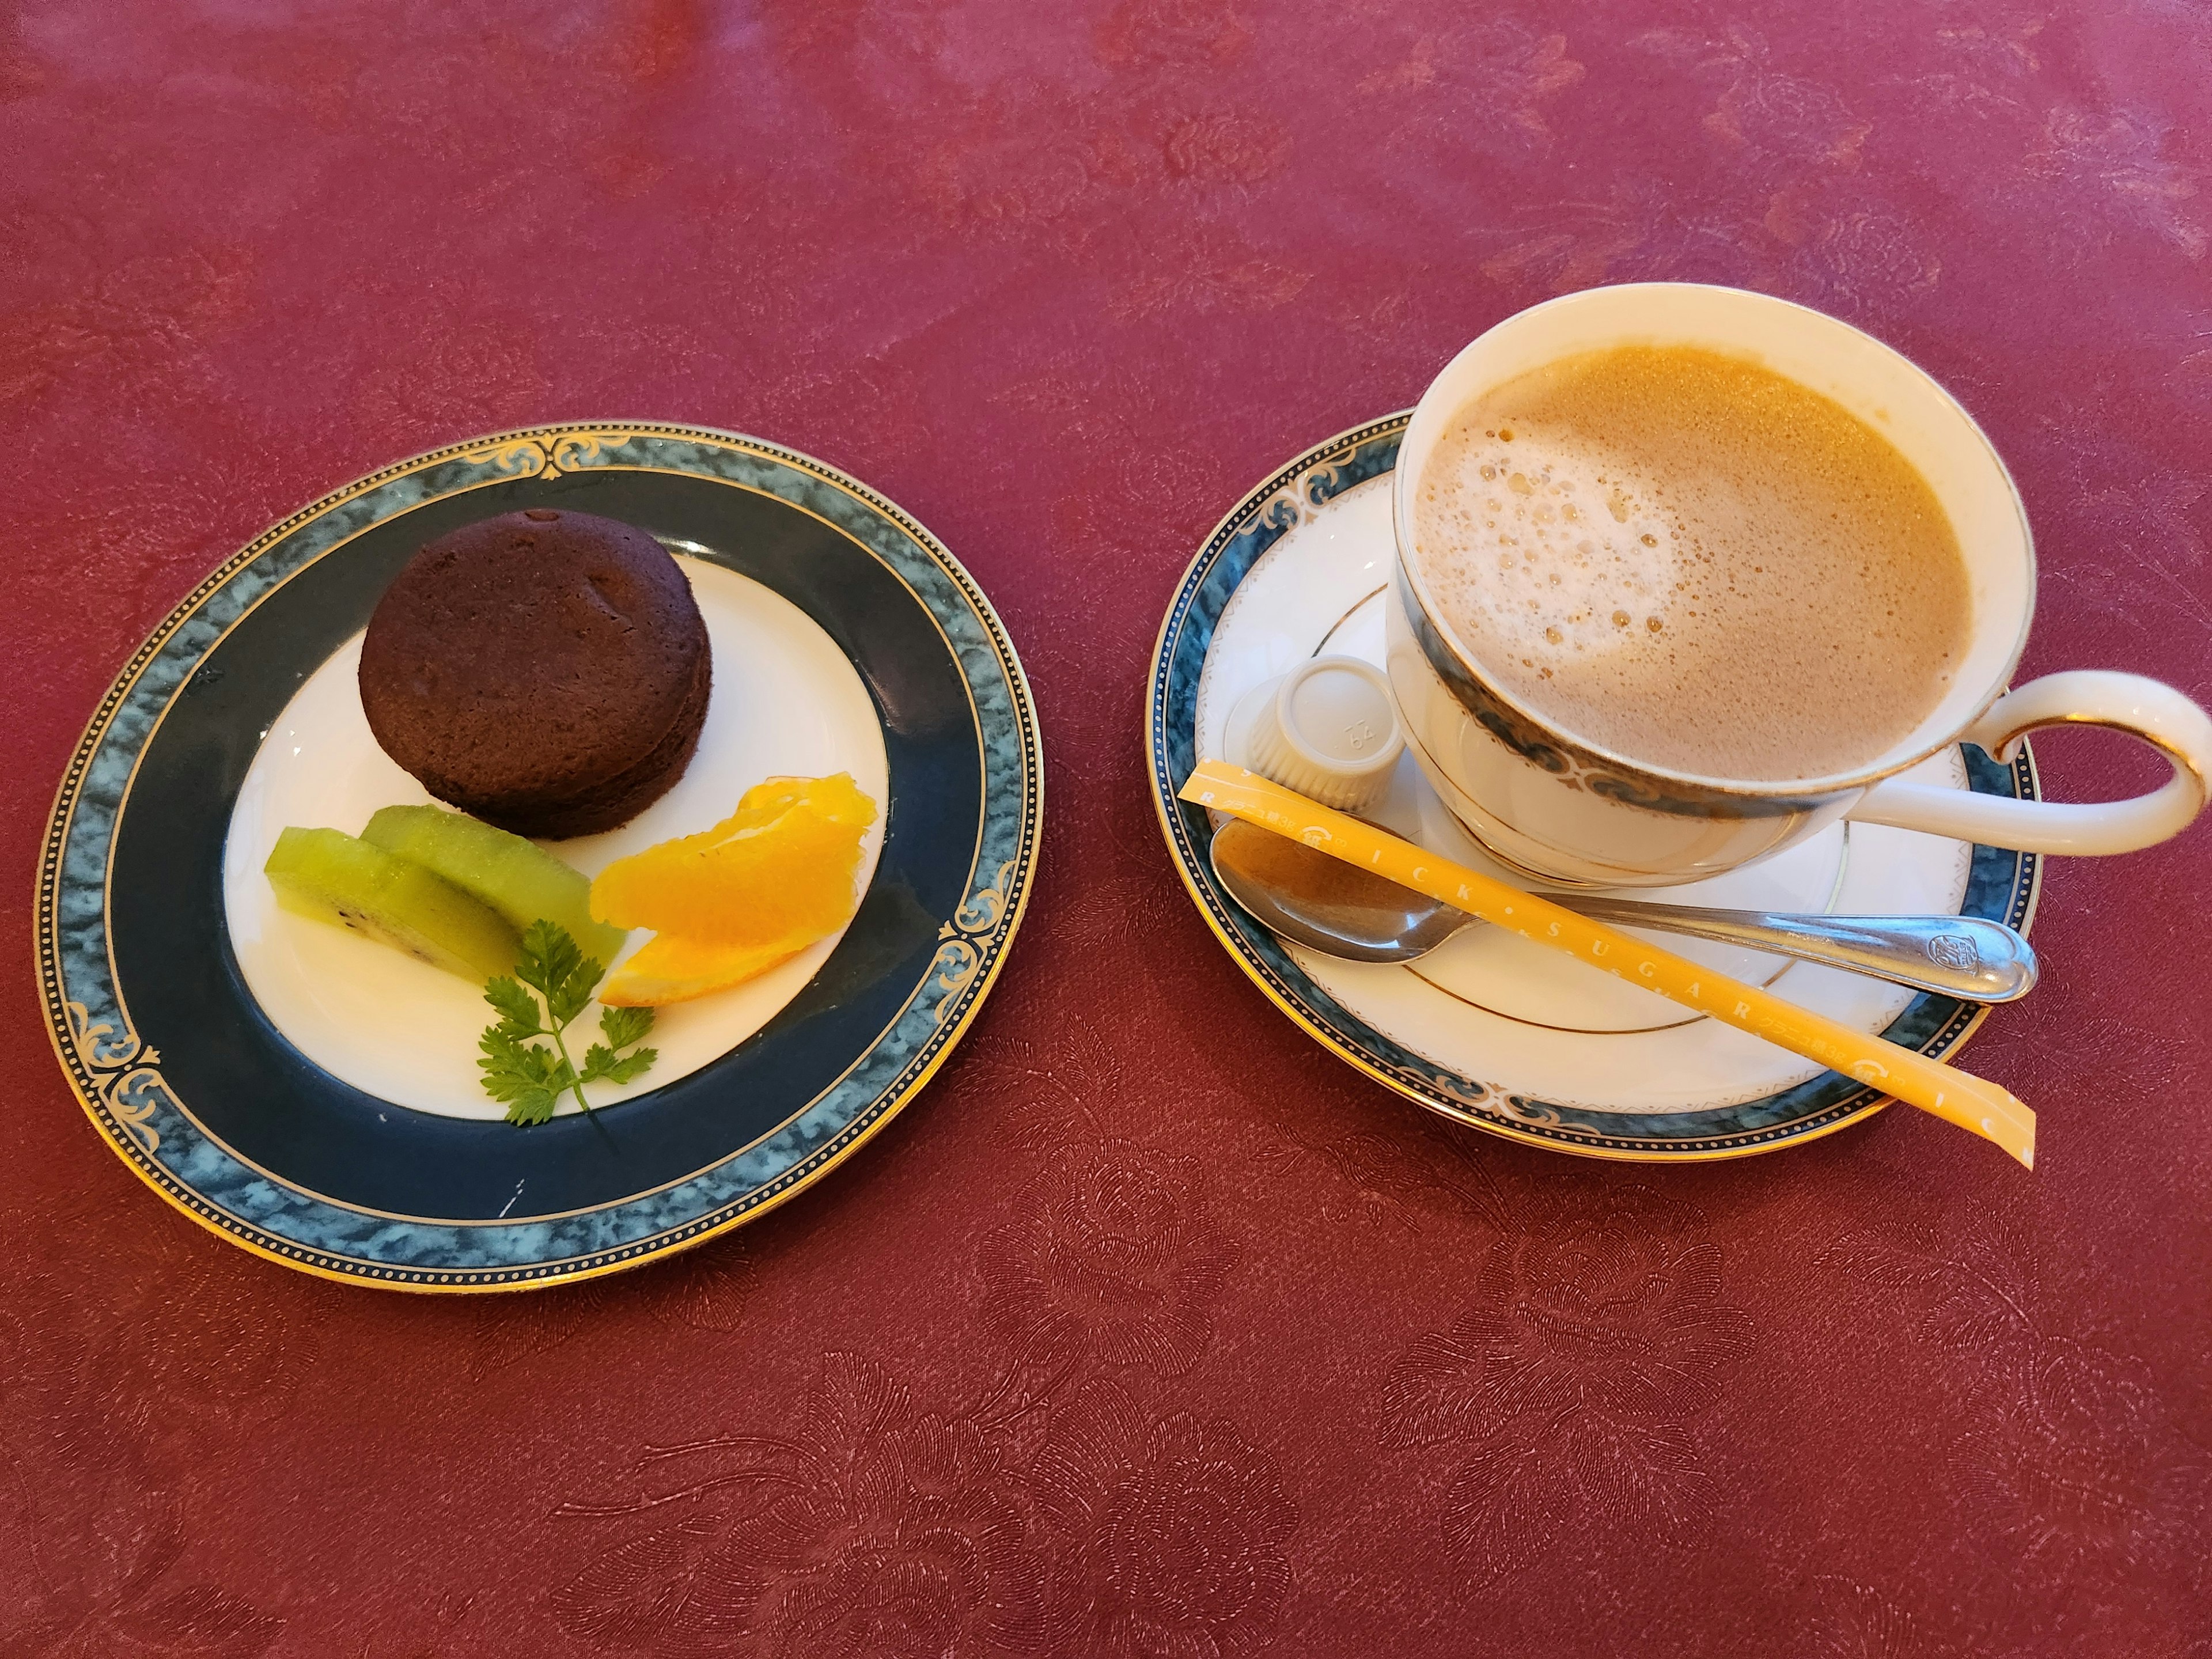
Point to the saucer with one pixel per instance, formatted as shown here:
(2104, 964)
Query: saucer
(311, 1095)
(1496, 1030)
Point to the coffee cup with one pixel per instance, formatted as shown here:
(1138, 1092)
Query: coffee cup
(1558, 807)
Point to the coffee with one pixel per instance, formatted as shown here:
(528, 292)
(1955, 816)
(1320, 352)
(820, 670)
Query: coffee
(1695, 562)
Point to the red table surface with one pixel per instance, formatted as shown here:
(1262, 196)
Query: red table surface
(1149, 1329)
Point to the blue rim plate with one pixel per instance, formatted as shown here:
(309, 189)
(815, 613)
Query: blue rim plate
(198, 1093)
(2000, 884)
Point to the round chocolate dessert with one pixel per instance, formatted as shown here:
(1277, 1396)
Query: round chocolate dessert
(546, 671)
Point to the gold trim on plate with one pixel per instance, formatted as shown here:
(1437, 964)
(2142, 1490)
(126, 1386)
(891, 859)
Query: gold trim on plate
(109, 1072)
(1492, 1109)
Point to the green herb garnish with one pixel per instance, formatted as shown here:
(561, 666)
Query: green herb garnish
(530, 1077)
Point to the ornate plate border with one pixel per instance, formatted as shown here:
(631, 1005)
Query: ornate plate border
(2002, 885)
(118, 1081)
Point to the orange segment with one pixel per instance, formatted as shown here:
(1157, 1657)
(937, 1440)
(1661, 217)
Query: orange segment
(669, 968)
(730, 902)
(781, 864)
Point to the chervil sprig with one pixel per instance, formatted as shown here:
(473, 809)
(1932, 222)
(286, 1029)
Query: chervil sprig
(529, 1078)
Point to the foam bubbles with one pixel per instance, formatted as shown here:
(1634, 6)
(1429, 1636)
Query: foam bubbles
(1566, 554)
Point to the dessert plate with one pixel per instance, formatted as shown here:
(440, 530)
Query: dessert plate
(1492, 1030)
(309, 1096)
(786, 701)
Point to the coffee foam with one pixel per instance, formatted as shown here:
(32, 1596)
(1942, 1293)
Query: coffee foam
(1581, 559)
(1694, 562)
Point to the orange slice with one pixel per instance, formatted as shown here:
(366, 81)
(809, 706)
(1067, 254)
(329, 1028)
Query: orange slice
(671, 968)
(730, 902)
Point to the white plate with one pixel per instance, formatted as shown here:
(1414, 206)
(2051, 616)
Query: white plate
(785, 701)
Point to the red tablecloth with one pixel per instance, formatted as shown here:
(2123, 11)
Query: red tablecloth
(1148, 1330)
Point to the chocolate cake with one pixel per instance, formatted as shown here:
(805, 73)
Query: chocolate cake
(546, 671)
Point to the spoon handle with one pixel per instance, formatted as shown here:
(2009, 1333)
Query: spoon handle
(1956, 955)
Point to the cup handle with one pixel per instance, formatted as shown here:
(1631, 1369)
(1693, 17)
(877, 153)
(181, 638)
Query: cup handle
(2157, 713)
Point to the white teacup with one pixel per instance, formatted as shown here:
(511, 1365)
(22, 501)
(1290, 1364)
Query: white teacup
(1562, 808)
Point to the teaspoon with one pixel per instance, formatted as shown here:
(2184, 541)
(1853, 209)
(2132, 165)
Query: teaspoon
(1340, 910)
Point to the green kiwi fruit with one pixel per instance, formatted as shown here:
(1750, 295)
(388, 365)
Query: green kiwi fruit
(331, 877)
(514, 877)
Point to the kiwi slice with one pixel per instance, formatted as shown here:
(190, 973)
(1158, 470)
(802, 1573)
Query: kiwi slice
(516, 877)
(330, 876)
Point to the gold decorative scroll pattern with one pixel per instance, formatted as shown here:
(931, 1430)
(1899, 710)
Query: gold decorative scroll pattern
(121, 1073)
(541, 457)
(959, 952)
